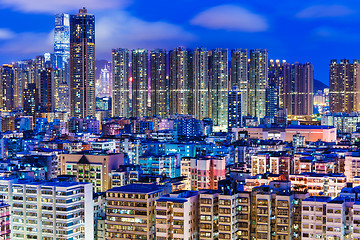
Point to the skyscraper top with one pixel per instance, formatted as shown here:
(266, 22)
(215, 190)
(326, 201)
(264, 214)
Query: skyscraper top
(83, 10)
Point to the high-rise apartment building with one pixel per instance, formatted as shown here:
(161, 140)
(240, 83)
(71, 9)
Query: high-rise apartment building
(7, 87)
(179, 81)
(276, 78)
(31, 101)
(64, 97)
(82, 64)
(140, 83)
(61, 41)
(258, 82)
(49, 210)
(298, 88)
(60, 91)
(344, 86)
(158, 78)
(201, 83)
(24, 76)
(235, 108)
(120, 83)
(47, 88)
(219, 89)
(239, 75)
(272, 100)
(130, 211)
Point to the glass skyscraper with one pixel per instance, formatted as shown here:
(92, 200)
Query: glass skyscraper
(82, 64)
(61, 41)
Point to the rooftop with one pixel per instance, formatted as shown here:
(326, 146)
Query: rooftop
(138, 188)
(317, 199)
(309, 127)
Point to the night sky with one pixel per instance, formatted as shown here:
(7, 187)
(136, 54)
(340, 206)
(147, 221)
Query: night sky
(301, 31)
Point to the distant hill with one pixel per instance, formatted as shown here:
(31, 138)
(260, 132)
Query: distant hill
(319, 85)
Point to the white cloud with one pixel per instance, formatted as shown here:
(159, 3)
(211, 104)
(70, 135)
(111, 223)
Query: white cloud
(120, 29)
(6, 34)
(28, 44)
(55, 6)
(230, 17)
(330, 34)
(323, 11)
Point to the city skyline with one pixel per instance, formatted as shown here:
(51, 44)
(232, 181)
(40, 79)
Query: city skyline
(176, 136)
(303, 33)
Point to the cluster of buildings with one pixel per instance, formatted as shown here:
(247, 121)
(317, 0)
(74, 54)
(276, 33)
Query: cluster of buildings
(139, 83)
(192, 147)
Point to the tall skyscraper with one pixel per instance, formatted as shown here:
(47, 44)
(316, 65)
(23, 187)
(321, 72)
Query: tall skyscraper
(344, 86)
(179, 81)
(219, 89)
(82, 64)
(23, 76)
(120, 83)
(64, 98)
(7, 86)
(258, 82)
(234, 108)
(201, 82)
(276, 77)
(47, 90)
(140, 83)
(31, 101)
(57, 80)
(272, 100)
(61, 41)
(239, 74)
(298, 88)
(158, 66)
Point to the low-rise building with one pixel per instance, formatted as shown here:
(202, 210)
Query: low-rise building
(207, 171)
(318, 184)
(130, 211)
(49, 210)
(177, 216)
(94, 167)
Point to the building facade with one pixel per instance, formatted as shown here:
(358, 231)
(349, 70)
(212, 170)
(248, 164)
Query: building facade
(179, 79)
(120, 83)
(258, 82)
(344, 86)
(298, 88)
(201, 83)
(140, 83)
(93, 168)
(82, 64)
(130, 211)
(219, 89)
(239, 75)
(159, 88)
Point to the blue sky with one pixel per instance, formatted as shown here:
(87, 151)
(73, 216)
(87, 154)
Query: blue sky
(314, 31)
